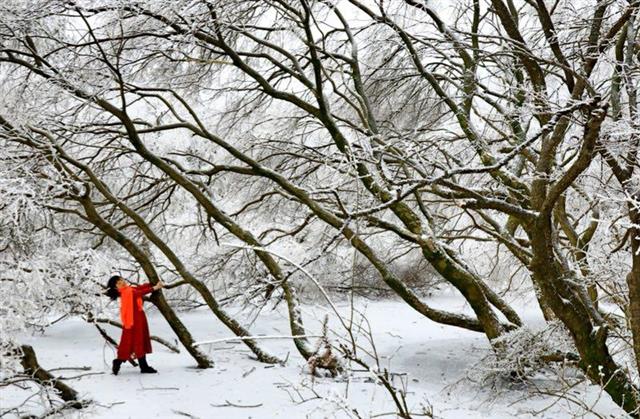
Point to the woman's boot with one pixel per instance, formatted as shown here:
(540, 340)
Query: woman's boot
(115, 366)
(144, 367)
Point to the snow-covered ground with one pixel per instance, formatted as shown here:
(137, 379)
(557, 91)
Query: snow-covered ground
(436, 360)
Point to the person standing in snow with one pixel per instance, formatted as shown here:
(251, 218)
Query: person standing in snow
(135, 341)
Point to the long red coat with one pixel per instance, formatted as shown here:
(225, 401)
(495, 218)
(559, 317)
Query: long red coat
(136, 340)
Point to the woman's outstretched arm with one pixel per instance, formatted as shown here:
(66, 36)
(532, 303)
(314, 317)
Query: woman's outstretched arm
(147, 288)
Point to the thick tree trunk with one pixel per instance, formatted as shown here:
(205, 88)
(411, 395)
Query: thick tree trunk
(466, 283)
(156, 298)
(633, 281)
(180, 330)
(589, 335)
(232, 324)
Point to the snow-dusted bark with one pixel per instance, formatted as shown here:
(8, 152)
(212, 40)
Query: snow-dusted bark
(445, 134)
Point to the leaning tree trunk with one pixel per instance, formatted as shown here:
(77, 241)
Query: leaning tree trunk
(199, 286)
(32, 367)
(156, 298)
(564, 295)
(293, 305)
(580, 317)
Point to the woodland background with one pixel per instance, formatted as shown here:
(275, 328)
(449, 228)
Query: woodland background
(279, 153)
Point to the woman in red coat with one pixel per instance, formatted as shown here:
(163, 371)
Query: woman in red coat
(135, 341)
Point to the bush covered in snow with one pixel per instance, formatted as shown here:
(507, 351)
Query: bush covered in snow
(524, 353)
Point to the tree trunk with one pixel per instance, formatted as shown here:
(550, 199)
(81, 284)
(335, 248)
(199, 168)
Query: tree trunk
(156, 298)
(588, 334)
(633, 281)
(246, 236)
(30, 364)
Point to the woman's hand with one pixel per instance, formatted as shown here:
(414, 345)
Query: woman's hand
(159, 285)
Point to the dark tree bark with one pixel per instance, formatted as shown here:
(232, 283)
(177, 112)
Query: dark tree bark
(45, 378)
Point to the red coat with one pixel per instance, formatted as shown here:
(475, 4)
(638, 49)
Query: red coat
(136, 340)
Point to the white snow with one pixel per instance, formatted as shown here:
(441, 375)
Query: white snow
(435, 358)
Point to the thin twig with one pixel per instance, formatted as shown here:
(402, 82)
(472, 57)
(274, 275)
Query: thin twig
(209, 342)
(229, 404)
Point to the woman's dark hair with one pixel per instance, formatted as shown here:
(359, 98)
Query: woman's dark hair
(112, 292)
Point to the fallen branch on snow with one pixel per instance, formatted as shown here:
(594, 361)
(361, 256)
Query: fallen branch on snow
(227, 403)
(43, 377)
(210, 342)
